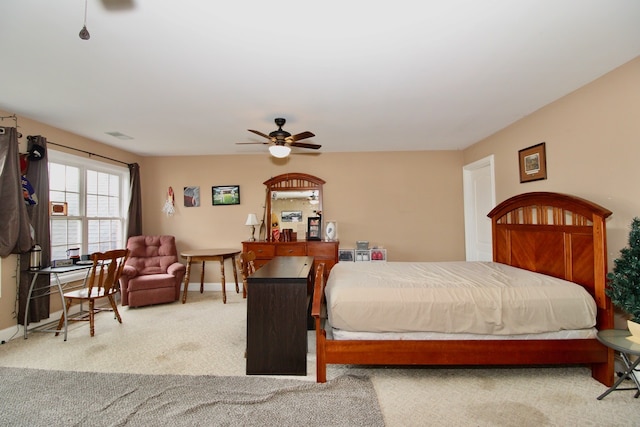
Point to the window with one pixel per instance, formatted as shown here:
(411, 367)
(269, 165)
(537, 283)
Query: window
(97, 196)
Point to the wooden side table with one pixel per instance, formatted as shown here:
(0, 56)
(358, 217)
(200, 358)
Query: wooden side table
(203, 255)
(618, 339)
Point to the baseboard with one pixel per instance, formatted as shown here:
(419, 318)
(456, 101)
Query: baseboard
(211, 287)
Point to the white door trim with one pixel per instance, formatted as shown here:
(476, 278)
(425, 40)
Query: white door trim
(470, 201)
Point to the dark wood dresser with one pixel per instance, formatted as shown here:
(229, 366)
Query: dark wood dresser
(277, 312)
(321, 251)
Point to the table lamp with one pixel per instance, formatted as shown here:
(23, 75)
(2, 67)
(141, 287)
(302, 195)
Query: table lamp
(252, 221)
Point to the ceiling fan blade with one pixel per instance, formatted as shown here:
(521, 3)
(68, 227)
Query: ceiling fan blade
(305, 145)
(261, 143)
(302, 135)
(257, 132)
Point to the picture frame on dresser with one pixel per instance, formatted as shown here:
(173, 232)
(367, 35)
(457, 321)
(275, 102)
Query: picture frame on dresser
(314, 228)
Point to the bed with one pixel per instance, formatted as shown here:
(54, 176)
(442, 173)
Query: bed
(553, 235)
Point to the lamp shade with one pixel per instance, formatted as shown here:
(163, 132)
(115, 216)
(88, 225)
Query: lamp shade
(252, 220)
(279, 151)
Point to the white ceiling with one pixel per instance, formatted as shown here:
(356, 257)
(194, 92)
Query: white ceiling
(189, 77)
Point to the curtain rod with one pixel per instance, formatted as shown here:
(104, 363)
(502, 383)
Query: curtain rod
(15, 119)
(89, 153)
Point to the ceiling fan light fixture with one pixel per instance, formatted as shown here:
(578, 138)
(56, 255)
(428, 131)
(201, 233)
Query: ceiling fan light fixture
(279, 151)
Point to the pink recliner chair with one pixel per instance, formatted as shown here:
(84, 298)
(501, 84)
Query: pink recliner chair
(152, 274)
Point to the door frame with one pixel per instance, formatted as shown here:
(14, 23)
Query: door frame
(469, 200)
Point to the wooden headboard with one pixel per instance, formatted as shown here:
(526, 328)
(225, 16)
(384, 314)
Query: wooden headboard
(555, 234)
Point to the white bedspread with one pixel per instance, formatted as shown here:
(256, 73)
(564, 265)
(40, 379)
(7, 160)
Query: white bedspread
(453, 297)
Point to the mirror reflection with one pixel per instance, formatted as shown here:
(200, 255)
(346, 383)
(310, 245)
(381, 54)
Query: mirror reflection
(290, 210)
(291, 200)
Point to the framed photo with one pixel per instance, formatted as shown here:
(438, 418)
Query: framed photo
(314, 228)
(58, 208)
(225, 195)
(191, 197)
(291, 216)
(533, 163)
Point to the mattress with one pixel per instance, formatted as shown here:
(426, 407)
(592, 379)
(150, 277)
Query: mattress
(483, 298)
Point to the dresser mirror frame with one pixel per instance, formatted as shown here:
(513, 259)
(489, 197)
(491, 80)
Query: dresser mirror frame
(297, 185)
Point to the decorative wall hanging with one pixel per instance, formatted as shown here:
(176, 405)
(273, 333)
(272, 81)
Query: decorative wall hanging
(225, 195)
(191, 197)
(169, 203)
(533, 163)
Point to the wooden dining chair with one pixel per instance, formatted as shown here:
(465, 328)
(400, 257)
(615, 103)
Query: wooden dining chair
(246, 267)
(101, 282)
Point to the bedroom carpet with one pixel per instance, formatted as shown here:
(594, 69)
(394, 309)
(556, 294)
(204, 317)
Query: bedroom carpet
(206, 337)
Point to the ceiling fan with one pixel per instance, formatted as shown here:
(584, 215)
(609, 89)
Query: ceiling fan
(281, 141)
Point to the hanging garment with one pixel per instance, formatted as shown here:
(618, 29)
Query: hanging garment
(28, 193)
(15, 236)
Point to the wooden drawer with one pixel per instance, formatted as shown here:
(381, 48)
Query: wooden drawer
(321, 250)
(291, 250)
(262, 251)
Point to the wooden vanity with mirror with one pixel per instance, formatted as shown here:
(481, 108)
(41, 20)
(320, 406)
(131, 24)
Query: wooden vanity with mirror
(278, 305)
(291, 199)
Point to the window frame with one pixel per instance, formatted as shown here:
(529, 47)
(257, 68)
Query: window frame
(85, 164)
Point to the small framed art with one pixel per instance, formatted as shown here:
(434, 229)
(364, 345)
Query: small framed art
(225, 195)
(533, 163)
(314, 228)
(291, 216)
(191, 197)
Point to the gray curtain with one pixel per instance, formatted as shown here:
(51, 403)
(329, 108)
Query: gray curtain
(38, 176)
(134, 226)
(15, 235)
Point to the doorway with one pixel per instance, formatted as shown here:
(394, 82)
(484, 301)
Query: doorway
(479, 199)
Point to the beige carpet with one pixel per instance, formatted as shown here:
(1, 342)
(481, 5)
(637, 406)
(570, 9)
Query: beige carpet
(205, 336)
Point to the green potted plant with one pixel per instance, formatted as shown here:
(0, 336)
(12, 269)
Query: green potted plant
(623, 284)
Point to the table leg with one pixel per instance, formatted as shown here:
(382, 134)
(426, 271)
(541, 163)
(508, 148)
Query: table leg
(628, 373)
(186, 280)
(235, 276)
(202, 278)
(26, 308)
(65, 312)
(631, 368)
(222, 281)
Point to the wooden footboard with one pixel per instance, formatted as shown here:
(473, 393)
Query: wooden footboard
(551, 233)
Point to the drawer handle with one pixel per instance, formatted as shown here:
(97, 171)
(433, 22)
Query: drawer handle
(290, 251)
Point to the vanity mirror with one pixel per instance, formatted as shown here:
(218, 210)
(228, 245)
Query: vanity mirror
(291, 199)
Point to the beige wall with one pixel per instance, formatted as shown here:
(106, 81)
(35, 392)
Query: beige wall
(409, 202)
(592, 144)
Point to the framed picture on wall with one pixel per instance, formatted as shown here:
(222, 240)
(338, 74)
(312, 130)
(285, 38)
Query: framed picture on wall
(225, 195)
(314, 228)
(533, 163)
(191, 197)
